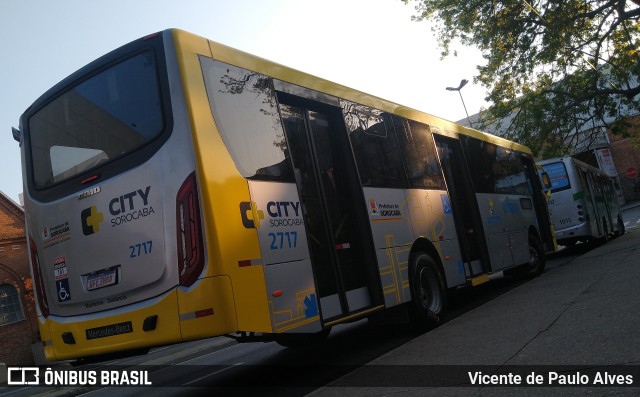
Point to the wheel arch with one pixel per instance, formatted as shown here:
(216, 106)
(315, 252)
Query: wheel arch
(533, 231)
(425, 245)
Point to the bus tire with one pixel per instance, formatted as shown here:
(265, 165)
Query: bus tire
(621, 228)
(605, 231)
(428, 294)
(536, 264)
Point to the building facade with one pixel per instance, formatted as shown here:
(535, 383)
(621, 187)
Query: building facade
(626, 155)
(18, 320)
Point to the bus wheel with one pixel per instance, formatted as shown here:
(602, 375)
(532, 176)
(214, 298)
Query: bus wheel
(536, 263)
(605, 231)
(428, 295)
(621, 228)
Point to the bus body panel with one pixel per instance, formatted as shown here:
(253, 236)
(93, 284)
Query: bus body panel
(221, 186)
(294, 303)
(113, 330)
(564, 207)
(389, 216)
(207, 309)
(276, 213)
(115, 235)
(431, 217)
(392, 236)
(506, 219)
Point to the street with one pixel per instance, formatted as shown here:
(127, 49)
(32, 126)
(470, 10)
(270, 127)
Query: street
(632, 218)
(504, 322)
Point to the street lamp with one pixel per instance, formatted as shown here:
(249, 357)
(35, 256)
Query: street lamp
(463, 82)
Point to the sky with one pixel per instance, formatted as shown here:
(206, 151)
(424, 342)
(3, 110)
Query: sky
(369, 45)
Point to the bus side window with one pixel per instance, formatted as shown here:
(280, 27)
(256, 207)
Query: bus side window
(419, 152)
(374, 145)
(244, 107)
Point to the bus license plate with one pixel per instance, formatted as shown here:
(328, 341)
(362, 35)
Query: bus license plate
(102, 279)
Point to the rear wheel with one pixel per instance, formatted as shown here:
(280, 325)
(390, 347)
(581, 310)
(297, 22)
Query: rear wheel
(605, 231)
(621, 228)
(428, 293)
(536, 263)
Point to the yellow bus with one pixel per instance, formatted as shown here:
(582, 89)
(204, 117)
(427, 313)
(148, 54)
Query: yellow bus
(178, 189)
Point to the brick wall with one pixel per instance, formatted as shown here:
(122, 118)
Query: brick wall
(16, 338)
(627, 155)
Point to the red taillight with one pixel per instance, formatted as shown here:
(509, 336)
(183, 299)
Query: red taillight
(189, 232)
(37, 275)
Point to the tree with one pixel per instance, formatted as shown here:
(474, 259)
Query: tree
(552, 67)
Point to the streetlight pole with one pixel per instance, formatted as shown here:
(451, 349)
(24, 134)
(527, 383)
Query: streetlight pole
(459, 88)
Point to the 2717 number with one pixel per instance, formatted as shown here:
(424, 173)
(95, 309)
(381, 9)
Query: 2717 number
(140, 249)
(283, 240)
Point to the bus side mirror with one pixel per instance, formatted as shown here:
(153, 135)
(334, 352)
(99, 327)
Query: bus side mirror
(17, 135)
(546, 181)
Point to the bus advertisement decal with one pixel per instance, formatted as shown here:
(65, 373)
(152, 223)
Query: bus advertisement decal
(384, 211)
(64, 292)
(493, 218)
(130, 207)
(61, 278)
(53, 235)
(446, 203)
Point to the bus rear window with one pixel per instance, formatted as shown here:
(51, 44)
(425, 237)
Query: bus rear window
(558, 175)
(97, 121)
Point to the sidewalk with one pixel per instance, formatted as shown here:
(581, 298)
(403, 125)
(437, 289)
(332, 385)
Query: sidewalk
(584, 313)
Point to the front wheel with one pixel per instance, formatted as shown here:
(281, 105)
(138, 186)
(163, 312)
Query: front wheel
(428, 293)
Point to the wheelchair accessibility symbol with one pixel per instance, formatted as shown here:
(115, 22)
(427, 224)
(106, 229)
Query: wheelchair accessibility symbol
(446, 204)
(64, 294)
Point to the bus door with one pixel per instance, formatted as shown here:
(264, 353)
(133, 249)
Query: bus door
(540, 205)
(591, 200)
(337, 226)
(465, 210)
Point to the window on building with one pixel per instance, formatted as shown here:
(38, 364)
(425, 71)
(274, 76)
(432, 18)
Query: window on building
(10, 306)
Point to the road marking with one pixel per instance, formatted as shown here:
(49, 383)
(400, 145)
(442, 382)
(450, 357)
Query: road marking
(211, 374)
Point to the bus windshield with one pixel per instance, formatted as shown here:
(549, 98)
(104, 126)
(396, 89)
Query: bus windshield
(558, 175)
(99, 120)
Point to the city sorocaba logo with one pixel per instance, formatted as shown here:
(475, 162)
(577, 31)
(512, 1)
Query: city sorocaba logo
(250, 208)
(91, 219)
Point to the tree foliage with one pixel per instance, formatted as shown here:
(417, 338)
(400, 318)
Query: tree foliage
(552, 67)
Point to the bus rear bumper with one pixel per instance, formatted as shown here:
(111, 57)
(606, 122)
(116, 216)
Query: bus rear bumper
(181, 314)
(142, 325)
(573, 233)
